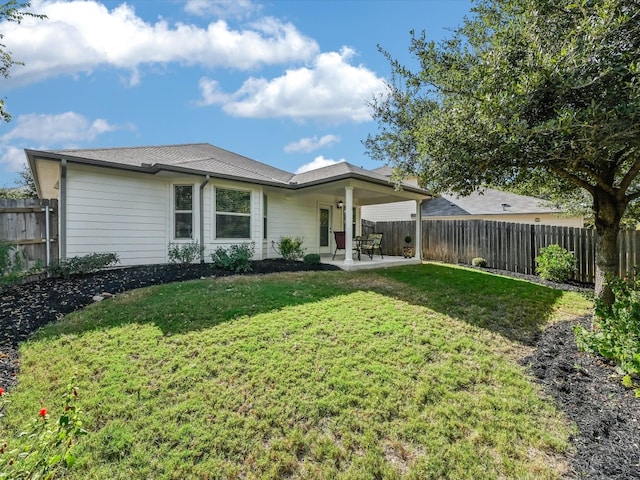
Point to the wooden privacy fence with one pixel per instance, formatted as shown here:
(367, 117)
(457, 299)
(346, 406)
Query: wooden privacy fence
(25, 221)
(506, 246)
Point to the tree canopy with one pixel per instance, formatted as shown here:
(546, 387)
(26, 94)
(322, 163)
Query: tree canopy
(525, 92)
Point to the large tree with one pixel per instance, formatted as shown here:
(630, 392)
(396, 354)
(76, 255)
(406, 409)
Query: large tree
(537, 92)
(12, 11)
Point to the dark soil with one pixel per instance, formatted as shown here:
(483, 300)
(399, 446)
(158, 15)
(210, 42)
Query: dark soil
(586, 389)
(589, 391)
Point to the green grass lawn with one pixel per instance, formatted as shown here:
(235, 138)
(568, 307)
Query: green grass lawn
(401, 373)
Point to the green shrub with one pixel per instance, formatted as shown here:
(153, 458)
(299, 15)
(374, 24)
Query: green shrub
(83, 265)
(555, 263)
(185, 253)
(311, 259)
(11, 263)
(50, 442)
(479, 262)
(236, 258)
(290, 248)
(408, 239)
(616, 330)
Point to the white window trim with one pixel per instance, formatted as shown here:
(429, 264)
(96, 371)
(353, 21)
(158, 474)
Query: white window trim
(175, 211)
(215, 213)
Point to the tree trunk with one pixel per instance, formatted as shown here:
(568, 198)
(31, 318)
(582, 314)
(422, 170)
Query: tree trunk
(608, 213)
(606, 260)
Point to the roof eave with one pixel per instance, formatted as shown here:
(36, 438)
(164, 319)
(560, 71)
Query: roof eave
(34, 171)
(356, 176)
(158, 167)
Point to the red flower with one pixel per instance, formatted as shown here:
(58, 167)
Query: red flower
(42, 412)
(1, 391)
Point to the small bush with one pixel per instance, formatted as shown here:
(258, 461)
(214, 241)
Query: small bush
(185, 253)
(236, 258)
(555, 263)
(311, 259)
(46, 448)
(12, 263)
(479, 262)
(408, 239)
(83, 265)
(290, 248)
(616, 331)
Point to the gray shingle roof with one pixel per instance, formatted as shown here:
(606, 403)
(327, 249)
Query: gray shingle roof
(203, 158)
(336, 170)
(199, 156)
(485, 202)
(385, 170)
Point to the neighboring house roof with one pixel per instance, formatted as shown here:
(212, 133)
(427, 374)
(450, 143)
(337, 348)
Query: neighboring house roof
(485, 202)
(206, 159)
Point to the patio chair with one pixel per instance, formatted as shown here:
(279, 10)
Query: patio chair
(373, 243)
(340, 244)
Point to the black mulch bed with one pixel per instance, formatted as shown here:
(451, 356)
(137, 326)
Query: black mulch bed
(587, 389)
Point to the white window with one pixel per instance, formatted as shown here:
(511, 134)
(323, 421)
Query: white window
(233, 213)
(183, 211)
(264, 217)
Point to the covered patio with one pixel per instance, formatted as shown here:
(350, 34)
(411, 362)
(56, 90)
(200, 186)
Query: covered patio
(340, 191)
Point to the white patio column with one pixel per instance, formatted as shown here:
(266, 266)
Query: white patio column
(348, 225)
(419, 229)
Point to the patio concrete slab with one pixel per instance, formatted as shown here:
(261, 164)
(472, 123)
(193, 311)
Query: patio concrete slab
(366, 263)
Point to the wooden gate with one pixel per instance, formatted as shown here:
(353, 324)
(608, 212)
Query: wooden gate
(32, 224)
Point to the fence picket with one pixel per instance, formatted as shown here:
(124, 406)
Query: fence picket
(506, 246)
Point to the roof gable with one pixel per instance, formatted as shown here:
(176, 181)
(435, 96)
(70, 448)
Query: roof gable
(339, 169)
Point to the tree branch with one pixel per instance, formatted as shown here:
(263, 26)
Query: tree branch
(633, 196)
(630, 176)
(574, 179)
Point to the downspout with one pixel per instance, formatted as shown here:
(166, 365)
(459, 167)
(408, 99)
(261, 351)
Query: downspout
(47, 226)
(62, 235)
(202, 185)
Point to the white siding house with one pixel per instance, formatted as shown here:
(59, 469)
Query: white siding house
(107, 212)
(136, 201)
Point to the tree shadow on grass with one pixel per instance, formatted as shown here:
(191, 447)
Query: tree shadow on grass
(183, 307)
(516, 309)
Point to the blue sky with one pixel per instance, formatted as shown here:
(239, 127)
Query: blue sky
(285, 82)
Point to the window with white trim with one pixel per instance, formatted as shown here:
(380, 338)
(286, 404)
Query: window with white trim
(183, 211)
(264, 217)
(233, 213)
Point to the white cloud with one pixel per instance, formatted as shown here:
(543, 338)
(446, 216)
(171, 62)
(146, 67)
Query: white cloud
(12, 158)
(333, 91)
(310, 144)
(63, 128)
(222, 8)
(43, 131)
(212, 94)
(79, 36)
(318, 162)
